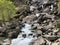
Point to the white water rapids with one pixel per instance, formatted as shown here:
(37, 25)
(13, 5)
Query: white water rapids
(24, 41)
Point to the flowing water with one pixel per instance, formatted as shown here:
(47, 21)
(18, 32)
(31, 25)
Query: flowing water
(30, 36)
(24, 41)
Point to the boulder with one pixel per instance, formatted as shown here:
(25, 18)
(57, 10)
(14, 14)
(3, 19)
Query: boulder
(29, 19)
(39, 41)
(39, 32)
(12, 34)
(7, 42)
(2, 31)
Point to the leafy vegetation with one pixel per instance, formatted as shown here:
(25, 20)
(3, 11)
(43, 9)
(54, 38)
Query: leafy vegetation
(7, 10)
(58, 4)
(58, 25)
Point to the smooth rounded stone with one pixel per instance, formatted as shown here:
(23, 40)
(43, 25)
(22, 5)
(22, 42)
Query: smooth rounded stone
(51, 38)
(44, 21)
(43, 1)
(53, 1)
(34, 0)
(46, 10)
(39, 41)
(29, 19)
(49, 16)
(39, 32)
(17, 27)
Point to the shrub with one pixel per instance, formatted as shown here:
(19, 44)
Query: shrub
(7, 10)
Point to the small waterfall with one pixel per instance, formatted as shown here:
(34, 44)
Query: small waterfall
(24, 41)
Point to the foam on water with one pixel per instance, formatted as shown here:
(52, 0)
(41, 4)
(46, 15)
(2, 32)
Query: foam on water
(37, 14)
(24, 41)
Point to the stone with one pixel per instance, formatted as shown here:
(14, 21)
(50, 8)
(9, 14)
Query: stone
(2, 31)
(29, 19)
(32, 8)
(39, 41)
(12, 34)
(39, 32)
(1, 42)
(7, 42)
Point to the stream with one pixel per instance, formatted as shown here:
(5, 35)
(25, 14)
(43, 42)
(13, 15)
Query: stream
(29, 36)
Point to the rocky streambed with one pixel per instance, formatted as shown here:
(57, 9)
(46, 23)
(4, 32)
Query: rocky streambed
(38, 27)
